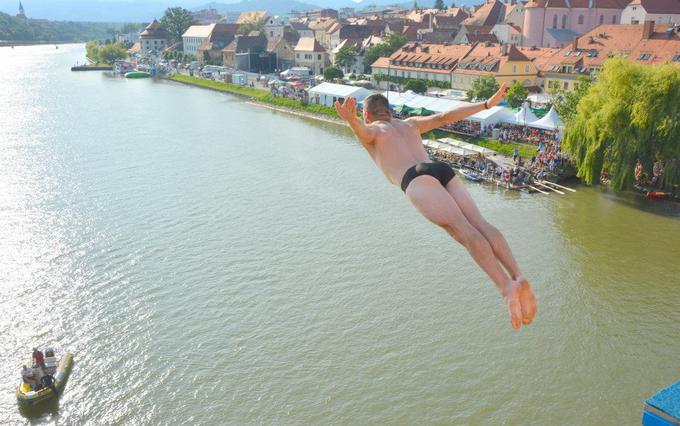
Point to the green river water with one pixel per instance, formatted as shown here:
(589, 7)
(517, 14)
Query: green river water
(213, 262)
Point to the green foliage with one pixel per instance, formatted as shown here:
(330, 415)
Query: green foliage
(565, 102)
(439, 4)
(132, 27)
(104, 53)
(392, 43)
(109, 53)
(16, 29)
(175, 21)
(403, 81)
(352, 76)
(417, 86)
(631, 111)
(483, 88)
(516, 95)
(346, 57)
(250, 26)
(178, 55)
(332, 73)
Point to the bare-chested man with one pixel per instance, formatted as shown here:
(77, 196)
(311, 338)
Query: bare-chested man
(397, 149)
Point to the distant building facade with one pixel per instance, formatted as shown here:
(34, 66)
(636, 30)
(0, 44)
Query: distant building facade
(154, 39)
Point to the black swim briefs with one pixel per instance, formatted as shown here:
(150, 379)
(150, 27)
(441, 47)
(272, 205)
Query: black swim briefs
(438, 170)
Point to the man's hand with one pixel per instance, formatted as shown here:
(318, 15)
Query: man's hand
(348, 109)
(498, 96)
(521, 302)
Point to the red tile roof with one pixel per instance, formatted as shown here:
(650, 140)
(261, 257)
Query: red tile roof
(488, 14)
(605, 41)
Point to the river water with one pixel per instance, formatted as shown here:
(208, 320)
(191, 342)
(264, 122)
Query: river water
(213, 262)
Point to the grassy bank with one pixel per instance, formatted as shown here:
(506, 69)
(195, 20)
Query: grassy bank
(507, 149)
(257, 94)
(525, 150)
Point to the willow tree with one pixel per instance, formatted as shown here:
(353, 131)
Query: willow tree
(631, 112)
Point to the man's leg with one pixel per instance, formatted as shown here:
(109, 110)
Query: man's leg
(498, 243)
(433, 202)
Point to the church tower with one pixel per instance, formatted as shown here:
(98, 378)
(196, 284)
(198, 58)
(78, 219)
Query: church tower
(21, 13)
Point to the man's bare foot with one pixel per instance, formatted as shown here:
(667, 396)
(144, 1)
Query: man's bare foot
(521, 302)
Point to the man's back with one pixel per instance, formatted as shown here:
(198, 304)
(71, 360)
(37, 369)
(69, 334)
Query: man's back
(397, 147)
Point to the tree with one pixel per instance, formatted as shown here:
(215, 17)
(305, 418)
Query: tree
(417, 86)
(250, 26)
(332, 73)
(483, 88)
(175, 22)
(630, 112)
(415, 5)
(346, 57)
(565, 102)
(439, 4)
(110, 53)
(392, 42)
(516, 95)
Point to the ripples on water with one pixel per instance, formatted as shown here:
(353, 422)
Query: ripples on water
(210, 262)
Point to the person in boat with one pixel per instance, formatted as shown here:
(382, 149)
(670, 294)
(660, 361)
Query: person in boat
(47, 381)
(28, 376)
(437, 193)
(638, 171)
(38, 357)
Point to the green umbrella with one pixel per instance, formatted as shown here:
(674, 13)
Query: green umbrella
(421, 111)
(403, 109)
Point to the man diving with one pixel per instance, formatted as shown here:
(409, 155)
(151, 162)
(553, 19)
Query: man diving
(397, 149)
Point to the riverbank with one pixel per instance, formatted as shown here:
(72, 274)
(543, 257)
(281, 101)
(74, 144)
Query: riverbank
(8, 43)
(92, 68)
(261, 96)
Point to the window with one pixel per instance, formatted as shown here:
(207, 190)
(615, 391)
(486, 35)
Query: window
(319, 56)
(271, 33)
(567, 53)
(676, 58)
(554, 21)
(564, 21)
(566, 85)
(514, 69)
(580, 19)
(614, 19)
(297, 55)
(644, 56)
(601, 19)
(526, 68)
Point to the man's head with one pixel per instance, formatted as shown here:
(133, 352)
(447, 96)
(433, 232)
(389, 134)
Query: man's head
(376, 107)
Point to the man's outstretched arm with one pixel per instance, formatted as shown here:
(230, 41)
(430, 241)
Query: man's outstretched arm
(348, 112)
(425, 124)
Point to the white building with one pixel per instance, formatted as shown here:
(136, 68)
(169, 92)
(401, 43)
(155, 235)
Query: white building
(153, 40)
(507, 33)
(309, 53)
(194, 36)
(659, 11)
(327, 93)
(274, 27)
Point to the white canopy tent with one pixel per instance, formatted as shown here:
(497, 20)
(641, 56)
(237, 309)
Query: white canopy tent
(468, 146)
(525, 116)
(551, 121)
(411, 99)
(328, 93)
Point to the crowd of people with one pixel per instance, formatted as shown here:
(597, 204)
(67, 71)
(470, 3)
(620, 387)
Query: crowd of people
(466, 127)
(523, 134)
(41, 374)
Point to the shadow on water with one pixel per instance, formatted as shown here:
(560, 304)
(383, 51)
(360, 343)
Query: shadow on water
(638, 201)
(41, 412)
